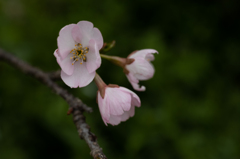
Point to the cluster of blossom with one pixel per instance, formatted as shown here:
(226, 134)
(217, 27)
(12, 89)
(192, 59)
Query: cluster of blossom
(79, 58)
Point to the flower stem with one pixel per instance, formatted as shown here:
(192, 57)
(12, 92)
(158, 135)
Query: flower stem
(105, 56)
(116, 60)
(100, 84)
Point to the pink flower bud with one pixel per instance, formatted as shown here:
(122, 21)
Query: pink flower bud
(117, 105)
(78, 53)
(140, 68)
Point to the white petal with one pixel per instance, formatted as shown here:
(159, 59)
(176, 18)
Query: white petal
(135, 84)
(119, 101)
(93, 57)
(85, 26)
(76, 34)
(97, 36)
(65, 40)
(86, 32)
(103, 107)
(114, 120)
(80, 77)
(132, 112)
(125, 116)
(66, 65)
(149, 57)
(128, 114)
(141, 69)
(142, 53)
(135, 100)
(58, 58)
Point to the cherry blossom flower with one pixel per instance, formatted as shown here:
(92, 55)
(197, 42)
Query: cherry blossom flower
(78, 53)
(140, 68)
(136, 66)
(116, 104)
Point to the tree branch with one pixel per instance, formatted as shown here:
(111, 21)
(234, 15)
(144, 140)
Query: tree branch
(76, 106)
(55, 75)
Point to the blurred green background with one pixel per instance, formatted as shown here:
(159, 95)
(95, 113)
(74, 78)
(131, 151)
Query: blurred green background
(190, 110)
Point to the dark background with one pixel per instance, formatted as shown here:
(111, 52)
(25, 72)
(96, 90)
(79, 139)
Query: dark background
(190, 110)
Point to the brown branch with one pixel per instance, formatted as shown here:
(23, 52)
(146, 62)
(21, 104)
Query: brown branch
(76, 106)
(55, 75)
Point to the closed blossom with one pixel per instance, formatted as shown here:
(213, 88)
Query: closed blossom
(140, 68)
(117, 105)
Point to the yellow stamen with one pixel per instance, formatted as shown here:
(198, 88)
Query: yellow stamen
(80, 62)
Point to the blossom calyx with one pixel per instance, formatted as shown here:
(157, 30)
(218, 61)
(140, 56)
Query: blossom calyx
(102, 85)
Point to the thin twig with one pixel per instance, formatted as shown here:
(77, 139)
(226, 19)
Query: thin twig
(76, 106)
(55, 75)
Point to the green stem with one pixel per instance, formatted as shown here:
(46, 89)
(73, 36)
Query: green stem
(116, 60)
(105, 56)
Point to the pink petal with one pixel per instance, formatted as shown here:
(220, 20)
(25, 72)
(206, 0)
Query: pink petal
(142, 53)
(119, 100)
(68, 80)
(132, 78)
(85, 26)
(66, 65)
(149, 57)
(65, 40)
(128, 114)
(114, 120)
(135, 100)
(76, 34)
(118, 105)
(97, 36)
(125, 116)
(141, 69)
(103, 107)
(86, 32)
(135, 84)
(132, 111)
(93, 57)
(58, 58)
(80, 77)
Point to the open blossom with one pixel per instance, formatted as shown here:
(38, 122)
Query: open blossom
(116, 104)
(140, 68)
(78, 53)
